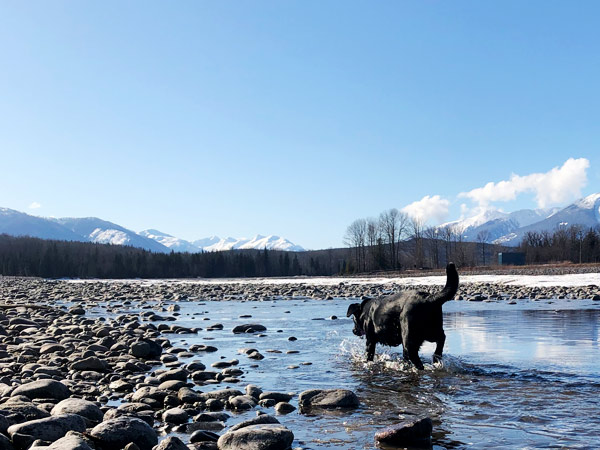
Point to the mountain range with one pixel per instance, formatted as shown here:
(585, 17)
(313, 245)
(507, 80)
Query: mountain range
(93, 229)
(499, 227)
(510, 228)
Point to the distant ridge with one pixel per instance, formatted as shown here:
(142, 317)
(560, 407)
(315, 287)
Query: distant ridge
(510, 228)
(93, 229)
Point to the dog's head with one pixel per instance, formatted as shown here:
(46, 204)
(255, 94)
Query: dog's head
(355, 310)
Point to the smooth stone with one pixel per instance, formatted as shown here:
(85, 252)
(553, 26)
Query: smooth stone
(415, 433)
(249, 328)
(175, 415)
(47, 429)
(171, 443)
(327, 398)
(43, 389)
(86, 409)
(284, 408)
(277, 396)
(257, 437)
(71, 441)
(117, 433)
(258, 420)
(203, 436)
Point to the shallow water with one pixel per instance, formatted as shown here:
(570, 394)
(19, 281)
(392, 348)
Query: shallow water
(513, 376)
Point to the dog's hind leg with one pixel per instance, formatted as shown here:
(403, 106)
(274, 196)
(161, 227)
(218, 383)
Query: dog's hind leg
(439, 348)
(370, 350)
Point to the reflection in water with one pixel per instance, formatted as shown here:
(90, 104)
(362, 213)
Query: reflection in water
(513, 376)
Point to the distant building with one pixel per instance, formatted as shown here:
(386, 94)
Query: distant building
(511, 259)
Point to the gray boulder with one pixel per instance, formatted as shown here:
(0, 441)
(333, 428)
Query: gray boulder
(47, 429)
(327, 399)
(43, 389)
(145, 349)
(249, 328)
(72, 441)
(86, 409)
(117, 433)
(171, 443)
(416, 433)
(257, 437)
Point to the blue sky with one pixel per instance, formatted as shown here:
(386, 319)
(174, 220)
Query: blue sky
(292, 118)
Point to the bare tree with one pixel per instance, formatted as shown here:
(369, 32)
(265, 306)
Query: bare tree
(373, 235)
(431, 234)
(355, 237)
(483, 238)
(417, 228)
(393, 225)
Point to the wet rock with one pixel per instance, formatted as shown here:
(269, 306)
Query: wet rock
(326, 399)
(47, 429)
(43, 389)
(71, 441)
(414, 434)
(86, 409)
(203, 436)
(221, 394)
(171, 443)
(145, 349)
(187, 395)
(284, 408)
(241, 402)
(175, 415)
(249, 328)
(92, 363)
(254, 391)
(277, 396)
(116, 433)
(257, 437)
(258, 420)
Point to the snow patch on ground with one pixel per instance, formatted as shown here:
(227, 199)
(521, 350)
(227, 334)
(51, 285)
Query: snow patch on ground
(570, 280)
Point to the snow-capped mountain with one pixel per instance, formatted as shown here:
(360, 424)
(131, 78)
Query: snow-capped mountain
(509, 228)
(89, 229)
(172, 242)
(217, 244)
(584, 212)
(104, 232)
(257, 242)
(206, 242)
(495, 223)
(17, 223)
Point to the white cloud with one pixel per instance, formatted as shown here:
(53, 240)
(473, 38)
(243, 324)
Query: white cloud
(556, 186)
(35, 205)
(429, 207)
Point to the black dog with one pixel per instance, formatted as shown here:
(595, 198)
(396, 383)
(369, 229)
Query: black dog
(408, 318)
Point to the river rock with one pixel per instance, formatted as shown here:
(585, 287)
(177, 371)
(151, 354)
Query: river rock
(117, 433)
(171, 443)
(277, 396)
(47, 429)
(327, 399)
(71, 441)
(203, 436)
(257, 437)
(86, 409)
(263, 419)
(145, 349)
(175, 415)
(92, 363)
(43, 389)
(249, 328)
(415, 433)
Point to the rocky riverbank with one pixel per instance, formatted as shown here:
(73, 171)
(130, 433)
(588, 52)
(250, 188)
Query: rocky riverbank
(71, 381)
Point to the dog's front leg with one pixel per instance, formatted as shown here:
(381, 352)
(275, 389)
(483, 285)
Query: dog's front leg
(439, 348)
(370, 350)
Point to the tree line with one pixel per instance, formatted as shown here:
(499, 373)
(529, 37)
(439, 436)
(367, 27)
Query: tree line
(576, 244)
(395, 241)
(27, 256)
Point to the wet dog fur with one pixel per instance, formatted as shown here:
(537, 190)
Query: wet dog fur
(408, 319)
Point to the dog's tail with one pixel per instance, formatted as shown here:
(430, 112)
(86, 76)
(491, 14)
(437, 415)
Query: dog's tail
(451, 286)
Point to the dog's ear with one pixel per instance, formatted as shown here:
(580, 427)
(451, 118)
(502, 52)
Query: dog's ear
(354, 308)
